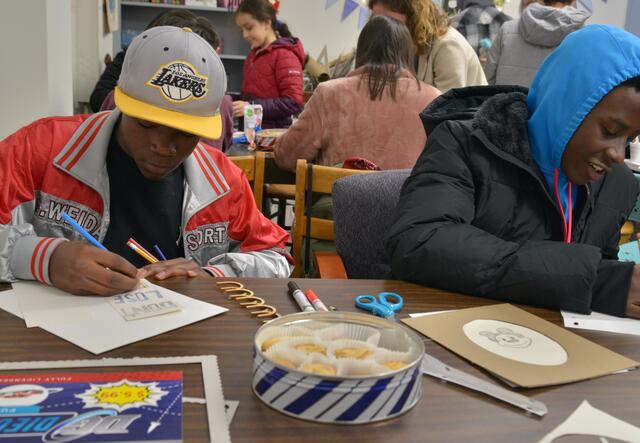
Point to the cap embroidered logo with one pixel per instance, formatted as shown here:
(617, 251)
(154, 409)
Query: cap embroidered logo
(179, 81)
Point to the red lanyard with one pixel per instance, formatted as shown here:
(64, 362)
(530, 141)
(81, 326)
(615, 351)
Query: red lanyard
(567, 225)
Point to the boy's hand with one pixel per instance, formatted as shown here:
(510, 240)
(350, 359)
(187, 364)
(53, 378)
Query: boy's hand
(178, 267)
(238, 108)
(82, 269)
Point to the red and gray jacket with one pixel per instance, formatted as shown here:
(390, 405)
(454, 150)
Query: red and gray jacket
(272, 77)
(58, 164)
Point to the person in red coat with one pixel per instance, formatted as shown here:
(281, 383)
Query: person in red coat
(272, 72)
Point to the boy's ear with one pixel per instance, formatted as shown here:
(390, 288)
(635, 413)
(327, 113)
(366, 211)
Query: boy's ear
(218, 50)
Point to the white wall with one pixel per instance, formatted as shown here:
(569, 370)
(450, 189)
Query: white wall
(35, 48)
(91, 43)
(315, 26)
(612, 12)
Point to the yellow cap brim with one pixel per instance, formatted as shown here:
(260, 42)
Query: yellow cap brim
(207, 127)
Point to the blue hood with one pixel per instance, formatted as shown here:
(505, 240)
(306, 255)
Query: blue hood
(571, 81)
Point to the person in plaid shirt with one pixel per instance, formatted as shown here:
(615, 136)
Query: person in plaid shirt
(478, 19)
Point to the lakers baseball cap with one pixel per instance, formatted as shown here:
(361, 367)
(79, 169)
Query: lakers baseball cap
(173, 77)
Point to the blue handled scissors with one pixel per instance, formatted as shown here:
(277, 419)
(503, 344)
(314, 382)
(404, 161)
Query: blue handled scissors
(385, 305)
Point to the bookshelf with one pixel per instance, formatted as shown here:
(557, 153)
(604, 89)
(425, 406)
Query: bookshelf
(135, 15)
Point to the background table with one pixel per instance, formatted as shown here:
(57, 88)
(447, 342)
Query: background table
(446, 413)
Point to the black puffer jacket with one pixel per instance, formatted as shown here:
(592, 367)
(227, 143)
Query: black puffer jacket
(476, 215)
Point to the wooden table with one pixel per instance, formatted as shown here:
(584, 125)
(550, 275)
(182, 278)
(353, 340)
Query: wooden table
(446, 413)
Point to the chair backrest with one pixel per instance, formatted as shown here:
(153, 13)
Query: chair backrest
(253, 168)
(311, 179)
(363, 209)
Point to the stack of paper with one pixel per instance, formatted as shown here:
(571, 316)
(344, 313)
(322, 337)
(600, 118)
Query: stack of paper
(99, 324)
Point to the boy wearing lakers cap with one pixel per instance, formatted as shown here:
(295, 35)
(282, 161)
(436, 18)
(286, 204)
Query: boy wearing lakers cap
(137, 171)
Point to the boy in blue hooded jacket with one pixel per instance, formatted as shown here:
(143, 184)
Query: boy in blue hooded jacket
(520, 195)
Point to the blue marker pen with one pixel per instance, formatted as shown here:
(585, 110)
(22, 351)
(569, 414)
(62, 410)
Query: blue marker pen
(81, 230)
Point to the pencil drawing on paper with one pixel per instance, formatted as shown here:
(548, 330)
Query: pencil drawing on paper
(507, 337)
(515, 342)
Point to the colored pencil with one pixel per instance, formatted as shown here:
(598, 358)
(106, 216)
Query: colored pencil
(135, 246)
(159, 252)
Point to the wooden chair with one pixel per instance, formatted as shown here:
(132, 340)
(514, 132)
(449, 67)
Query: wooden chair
(253, 168)
(312, 179)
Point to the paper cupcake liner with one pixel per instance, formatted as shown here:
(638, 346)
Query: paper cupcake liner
(303, 345)
(315, 325)
(270, 336)
(358, 368)
(319, 365)
(394, 340)
(285, 356)
(392, 360)
(351, 331)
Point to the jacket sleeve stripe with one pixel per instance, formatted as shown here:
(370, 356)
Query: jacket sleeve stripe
(206, 168)
(217, 176)
(206, 175)
(87, 143)
(41, 260)
(216, 272)
(73, 147)
(34, 258)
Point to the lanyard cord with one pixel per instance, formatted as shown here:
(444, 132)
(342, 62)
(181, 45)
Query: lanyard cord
(567, 225)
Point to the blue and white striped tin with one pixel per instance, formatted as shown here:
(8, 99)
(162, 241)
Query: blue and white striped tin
(331, 399)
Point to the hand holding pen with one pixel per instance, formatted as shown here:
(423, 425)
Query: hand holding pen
(89, 269)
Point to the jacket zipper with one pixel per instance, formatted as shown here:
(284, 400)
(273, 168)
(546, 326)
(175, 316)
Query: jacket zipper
(516, 162)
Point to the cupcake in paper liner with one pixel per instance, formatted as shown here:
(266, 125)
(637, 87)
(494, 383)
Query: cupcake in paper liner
(342, 331)
(304, 345)
(394, 340)
(284, 356)
(319, 365)
(392, 360)
(279, 334)
(351, 349)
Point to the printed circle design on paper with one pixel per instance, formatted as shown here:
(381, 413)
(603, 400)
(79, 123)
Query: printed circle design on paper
(515, 342)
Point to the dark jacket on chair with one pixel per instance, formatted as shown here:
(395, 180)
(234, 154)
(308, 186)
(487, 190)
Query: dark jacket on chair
(477, 217)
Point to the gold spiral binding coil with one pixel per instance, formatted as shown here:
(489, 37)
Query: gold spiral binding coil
(247, 299)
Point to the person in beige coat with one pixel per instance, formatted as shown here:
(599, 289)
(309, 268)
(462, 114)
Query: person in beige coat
(446, 60)
(373, 113)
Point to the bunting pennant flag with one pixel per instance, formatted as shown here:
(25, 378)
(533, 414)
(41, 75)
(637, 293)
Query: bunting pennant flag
(330, 3)
(349, 7)
(363, 17)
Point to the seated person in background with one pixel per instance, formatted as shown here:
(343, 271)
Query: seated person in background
(372, 113)
(272, 72)
(478, 19)
(520, 197)
(102, 95)
(445, 58)
(521, 45)
(138, 171)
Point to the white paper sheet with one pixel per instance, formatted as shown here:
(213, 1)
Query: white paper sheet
(9, 303)
(601, 322)
(587, 420)
(423, 314)
(92, 324)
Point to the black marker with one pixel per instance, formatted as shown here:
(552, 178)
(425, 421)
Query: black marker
(300, 298)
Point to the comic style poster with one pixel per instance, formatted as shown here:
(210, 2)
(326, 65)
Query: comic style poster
(91, 407)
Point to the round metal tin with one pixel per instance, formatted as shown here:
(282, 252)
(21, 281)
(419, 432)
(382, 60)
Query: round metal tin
(333, 399)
